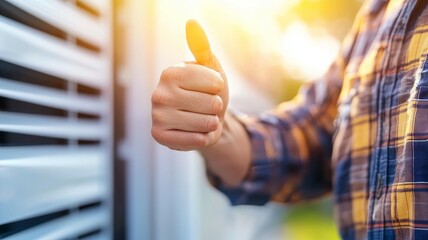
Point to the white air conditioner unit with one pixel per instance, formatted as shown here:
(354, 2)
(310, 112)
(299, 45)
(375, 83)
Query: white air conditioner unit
(55, 119)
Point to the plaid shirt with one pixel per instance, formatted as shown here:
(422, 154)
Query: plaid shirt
(361, 131)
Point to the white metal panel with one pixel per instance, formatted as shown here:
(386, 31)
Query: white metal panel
(25, 46)
(66, 227)
(61, 15)
(35, 180)
(51, 97)
(52, 126)
(39, 180)
(140, 157)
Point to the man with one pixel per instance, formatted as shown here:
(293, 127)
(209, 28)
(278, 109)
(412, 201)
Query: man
(361, 131)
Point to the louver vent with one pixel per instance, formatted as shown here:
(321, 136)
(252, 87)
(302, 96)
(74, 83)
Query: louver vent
(55, 119)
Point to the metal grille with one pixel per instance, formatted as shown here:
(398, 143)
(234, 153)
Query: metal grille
(55, 119)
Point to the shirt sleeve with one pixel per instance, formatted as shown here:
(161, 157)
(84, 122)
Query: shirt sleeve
(292, 145)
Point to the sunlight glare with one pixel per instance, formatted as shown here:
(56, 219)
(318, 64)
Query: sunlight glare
(305, 54)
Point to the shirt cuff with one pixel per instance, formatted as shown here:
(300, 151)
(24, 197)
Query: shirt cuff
(256, 188)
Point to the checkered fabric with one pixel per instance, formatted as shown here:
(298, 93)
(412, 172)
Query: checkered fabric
(360, 132)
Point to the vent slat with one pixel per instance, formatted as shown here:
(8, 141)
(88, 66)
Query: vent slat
(56, 178)
(64, 16)
(52, 126)
(55, 119)
(100, 5)
(50, 97)
(100, 236)
(68, 227)
(26, 47)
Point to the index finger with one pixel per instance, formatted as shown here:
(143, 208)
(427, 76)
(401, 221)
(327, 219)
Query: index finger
(195, 77)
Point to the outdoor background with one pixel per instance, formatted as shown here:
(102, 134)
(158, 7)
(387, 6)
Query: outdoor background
(268, 49)
(276, 46)
(77, 159)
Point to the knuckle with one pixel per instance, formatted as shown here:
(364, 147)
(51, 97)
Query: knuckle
(156, 117)
(166, 74)
(159, 97)
(171, 74)
(158, 135)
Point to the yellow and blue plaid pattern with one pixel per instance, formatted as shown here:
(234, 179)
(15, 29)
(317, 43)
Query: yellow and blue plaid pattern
(361, 131)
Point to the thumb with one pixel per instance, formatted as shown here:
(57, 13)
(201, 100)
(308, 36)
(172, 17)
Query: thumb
(199, 45)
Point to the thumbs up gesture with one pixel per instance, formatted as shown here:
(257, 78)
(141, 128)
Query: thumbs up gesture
(190, 101)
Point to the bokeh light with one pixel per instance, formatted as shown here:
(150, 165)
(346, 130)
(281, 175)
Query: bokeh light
(275, 43)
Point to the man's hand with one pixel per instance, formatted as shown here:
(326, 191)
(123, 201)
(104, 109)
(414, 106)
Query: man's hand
(190, 101)
(189, 112)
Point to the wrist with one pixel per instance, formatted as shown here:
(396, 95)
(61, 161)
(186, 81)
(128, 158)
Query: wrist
(230, 156)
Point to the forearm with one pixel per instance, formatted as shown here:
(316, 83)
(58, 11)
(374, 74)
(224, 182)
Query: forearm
(289, 158)
(230, 157)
